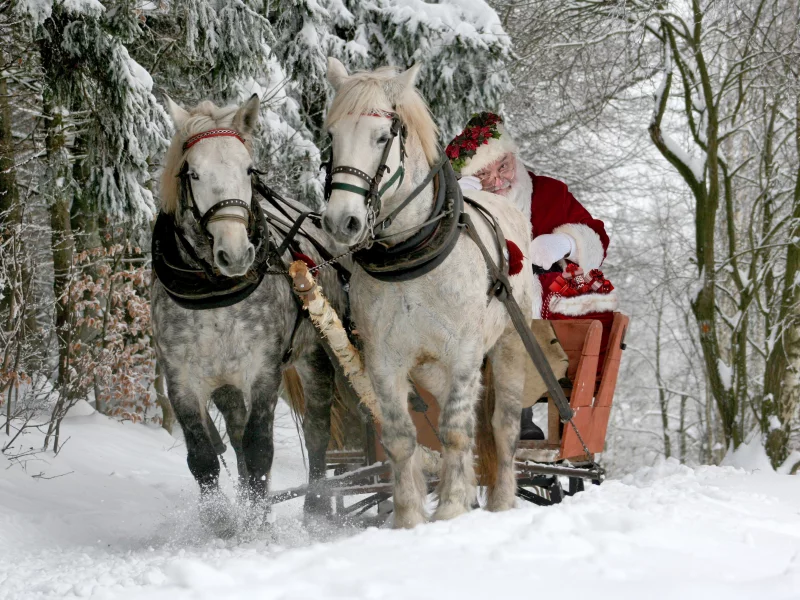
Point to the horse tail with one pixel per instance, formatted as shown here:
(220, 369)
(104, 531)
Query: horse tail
(293, 388)
(484, 436)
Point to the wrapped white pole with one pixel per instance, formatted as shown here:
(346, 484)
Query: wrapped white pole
(329, 325)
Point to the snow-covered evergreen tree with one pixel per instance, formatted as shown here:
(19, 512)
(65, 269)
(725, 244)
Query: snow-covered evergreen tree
(226, 51)
(460, 44)
(116, 126)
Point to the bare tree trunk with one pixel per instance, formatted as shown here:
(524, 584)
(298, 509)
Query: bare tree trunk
(10, 209)
(682, 426)
(782, 377)
(59, 190)
(706, 192)
(9, 195)
(663, 400)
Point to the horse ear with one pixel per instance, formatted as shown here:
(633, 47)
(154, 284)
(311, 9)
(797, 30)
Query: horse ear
(246, 117)
(337, 72)
(408, 78)
(178, 114)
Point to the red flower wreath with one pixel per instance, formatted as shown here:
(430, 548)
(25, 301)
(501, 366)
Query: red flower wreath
(481, 128)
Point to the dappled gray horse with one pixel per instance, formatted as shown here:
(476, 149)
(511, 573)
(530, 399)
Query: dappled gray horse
(224, 331)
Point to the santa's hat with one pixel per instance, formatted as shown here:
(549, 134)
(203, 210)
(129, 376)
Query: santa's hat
(483, 141)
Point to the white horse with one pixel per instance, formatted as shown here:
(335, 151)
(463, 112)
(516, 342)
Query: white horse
(438, 327)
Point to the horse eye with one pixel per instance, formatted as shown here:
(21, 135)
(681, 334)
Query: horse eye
(383, 139)
(194, 175)
(250, 170)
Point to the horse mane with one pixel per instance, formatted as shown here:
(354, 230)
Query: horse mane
(203, 117)
(365, 91)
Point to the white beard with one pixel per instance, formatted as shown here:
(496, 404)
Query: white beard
(522, 188)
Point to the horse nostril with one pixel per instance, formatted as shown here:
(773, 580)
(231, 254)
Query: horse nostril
(222, 259)
(251, 254)
(353, 225)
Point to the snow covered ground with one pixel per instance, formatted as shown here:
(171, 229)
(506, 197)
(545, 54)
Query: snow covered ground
(117, 520)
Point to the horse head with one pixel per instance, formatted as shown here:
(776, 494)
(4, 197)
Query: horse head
(207, 184)
(382, 135)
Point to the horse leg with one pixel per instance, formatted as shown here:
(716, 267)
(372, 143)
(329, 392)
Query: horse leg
(229, 400)
(203, 462)
(399, 438)
(258, 443)
(457, 491)
(318, 385)
(508, 358)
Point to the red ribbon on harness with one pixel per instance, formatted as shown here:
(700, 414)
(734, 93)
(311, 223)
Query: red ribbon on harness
(212, 133)
(304, 257)
(514, 258)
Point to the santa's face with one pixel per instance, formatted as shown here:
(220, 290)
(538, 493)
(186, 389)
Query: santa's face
(500, 176)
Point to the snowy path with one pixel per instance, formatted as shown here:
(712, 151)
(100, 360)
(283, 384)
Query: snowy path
(122, 525)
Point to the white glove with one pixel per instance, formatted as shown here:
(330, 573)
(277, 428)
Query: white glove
(470, 182)
(551, 247)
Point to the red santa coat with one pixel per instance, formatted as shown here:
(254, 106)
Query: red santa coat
(555, 210)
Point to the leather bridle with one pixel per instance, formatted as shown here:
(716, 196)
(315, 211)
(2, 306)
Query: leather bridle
(211, 215)
(374, 192)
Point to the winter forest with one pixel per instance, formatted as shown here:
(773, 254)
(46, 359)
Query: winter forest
(675, 122)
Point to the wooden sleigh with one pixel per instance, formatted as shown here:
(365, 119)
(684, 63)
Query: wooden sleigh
(541, 465)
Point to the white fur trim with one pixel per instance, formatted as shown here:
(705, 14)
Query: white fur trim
(576, 306)
(588, 252)
(536, 304)
(495, 149)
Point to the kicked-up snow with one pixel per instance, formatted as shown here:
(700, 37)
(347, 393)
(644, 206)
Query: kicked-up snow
(120, 522)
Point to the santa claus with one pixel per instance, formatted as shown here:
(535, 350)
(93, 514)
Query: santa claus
(563, 233)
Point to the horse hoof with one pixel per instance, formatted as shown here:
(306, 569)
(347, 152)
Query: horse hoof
(500, 506)
(407, 521)
(449, 510)
(316, 506)
(216, 514)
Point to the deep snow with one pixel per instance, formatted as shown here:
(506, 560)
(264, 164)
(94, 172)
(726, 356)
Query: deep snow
(121, 523)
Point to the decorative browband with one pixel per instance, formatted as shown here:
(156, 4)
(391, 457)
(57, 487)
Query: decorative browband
(212, 133)
(378, 112)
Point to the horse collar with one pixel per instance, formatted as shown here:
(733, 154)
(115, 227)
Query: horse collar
(429, 246)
